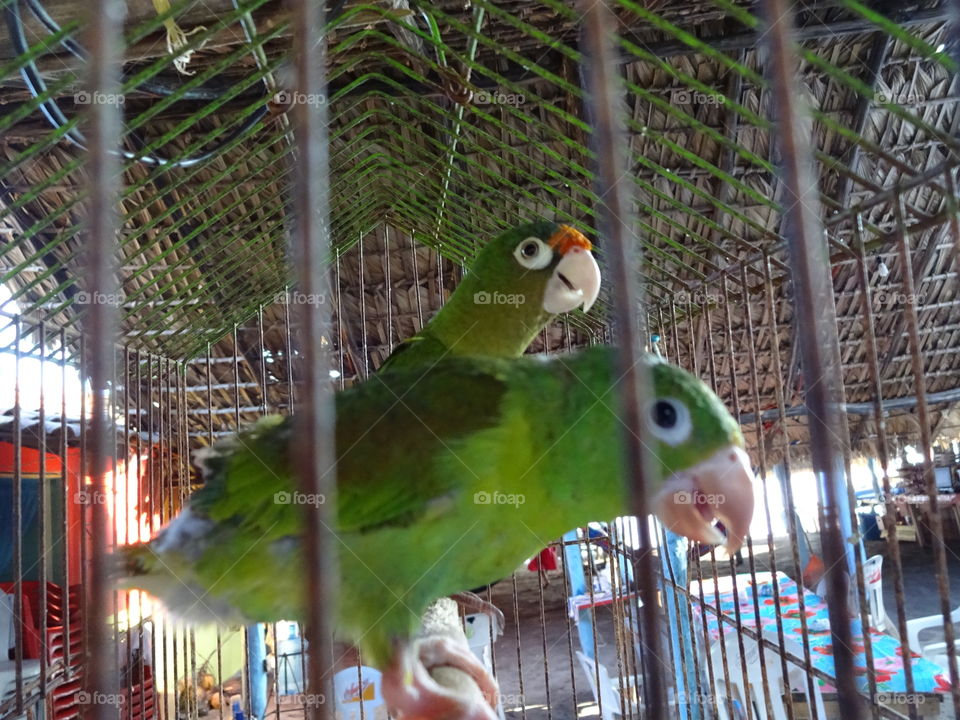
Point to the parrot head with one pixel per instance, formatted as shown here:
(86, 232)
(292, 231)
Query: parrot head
(549, 265)
(701, 456)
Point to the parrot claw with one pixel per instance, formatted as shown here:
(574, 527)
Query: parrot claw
(474, 603)
(411, 692)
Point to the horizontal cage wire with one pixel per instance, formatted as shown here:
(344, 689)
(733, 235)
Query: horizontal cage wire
(788, 187)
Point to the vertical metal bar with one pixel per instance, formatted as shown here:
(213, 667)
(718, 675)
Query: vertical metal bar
(363, 309)
(816, 317)
(926, 442)
(131, 684)
(44, 507)
(388, 286)
(264, 400)
(104, 27)
(17, 519)
(209, 403)
(735, 396)
(567, 592)
(516, 616)
(708, 657)
(890, 514)
(314, 429)
(339, 330)
(780, 396)
(724, 652)
(416, 282)
(138, 405)
(543, 638)
(762, 455)
(68, 501)
(604, 99)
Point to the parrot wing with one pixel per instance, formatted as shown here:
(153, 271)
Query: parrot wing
(386, 438)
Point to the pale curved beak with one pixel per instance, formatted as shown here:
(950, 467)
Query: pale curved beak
(575, 282)
(719, 487)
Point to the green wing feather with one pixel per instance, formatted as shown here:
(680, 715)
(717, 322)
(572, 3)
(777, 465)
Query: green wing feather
(384, 436)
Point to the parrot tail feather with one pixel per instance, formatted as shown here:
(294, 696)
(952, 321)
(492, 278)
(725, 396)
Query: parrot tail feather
(132, 561)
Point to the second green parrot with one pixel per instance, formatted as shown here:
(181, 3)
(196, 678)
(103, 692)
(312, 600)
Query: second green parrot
(508, 455)
(518, 282)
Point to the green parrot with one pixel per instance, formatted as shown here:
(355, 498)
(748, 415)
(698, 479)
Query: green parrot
(508, 455)
(518, 282)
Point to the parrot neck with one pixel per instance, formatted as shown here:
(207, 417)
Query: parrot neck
(477, 321)
(578, 452)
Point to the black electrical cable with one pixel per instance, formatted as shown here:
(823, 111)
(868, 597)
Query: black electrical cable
(51, 110)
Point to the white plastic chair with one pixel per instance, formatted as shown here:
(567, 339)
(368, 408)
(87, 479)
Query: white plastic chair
(732, 688)
(348, 688)
(477, 629)
(934, 651)
(873, 587)
(607, 695)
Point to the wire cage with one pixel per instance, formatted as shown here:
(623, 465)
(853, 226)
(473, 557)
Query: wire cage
(215, 211)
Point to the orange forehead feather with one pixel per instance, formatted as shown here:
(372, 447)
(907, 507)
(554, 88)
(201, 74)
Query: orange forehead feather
(567, 237)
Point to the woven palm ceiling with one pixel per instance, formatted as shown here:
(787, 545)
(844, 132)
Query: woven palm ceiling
(453, 120)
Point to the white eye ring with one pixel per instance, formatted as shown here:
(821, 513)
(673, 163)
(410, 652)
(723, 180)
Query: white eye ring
(533, 253)
(669, 420)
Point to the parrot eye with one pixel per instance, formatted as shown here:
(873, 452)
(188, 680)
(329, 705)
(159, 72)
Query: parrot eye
(533, 253)
(670, 421)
